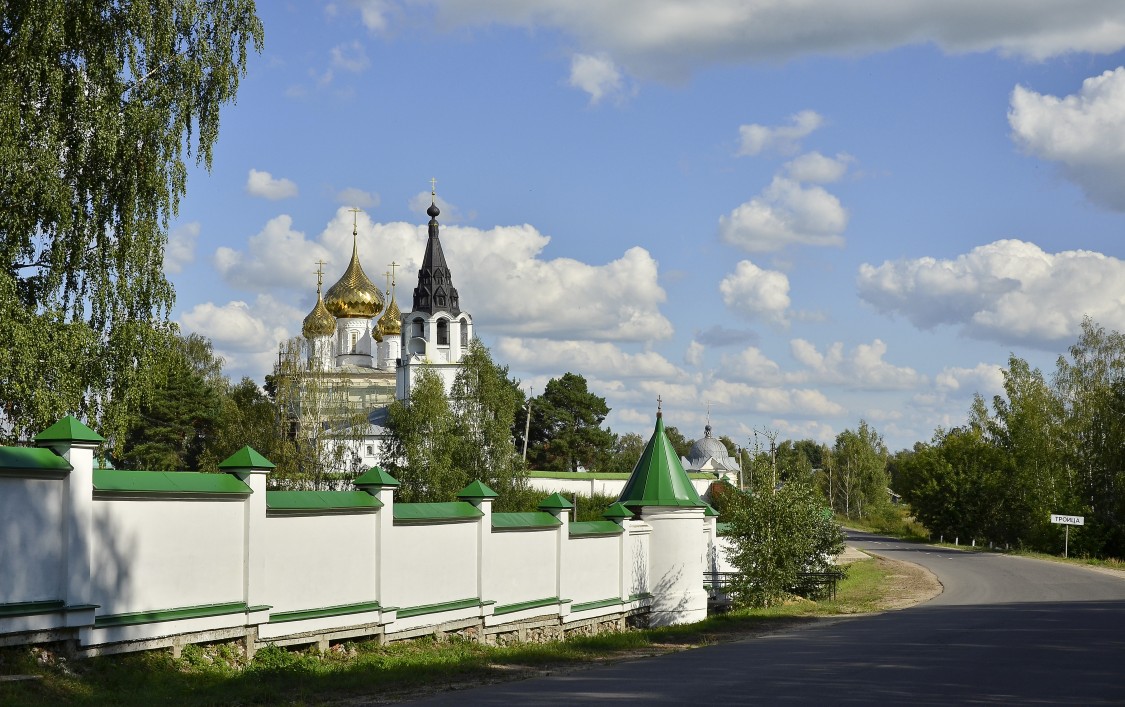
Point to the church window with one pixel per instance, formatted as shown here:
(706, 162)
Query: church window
(464, 333)
(418, 328)
(370, 450)
(443, 332)
(354, 338)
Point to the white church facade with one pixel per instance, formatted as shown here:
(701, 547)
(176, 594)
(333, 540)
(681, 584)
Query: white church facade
(358, 337)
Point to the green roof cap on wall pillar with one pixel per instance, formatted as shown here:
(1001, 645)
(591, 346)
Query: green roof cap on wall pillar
(710, 512)
(376, 477)
(555, 502)
(659, 478)
(617, 511)
(476, 491)
(246, 458)
(69, 429)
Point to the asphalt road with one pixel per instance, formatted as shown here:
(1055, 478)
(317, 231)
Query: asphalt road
(1005, 629)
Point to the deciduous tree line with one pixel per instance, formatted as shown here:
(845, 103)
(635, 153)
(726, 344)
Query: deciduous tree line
(1046, 445)
(100, 105)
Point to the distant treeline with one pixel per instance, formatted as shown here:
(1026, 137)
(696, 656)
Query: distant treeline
(1047, 445)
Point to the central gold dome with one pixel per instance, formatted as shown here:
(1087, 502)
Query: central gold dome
(353, 295)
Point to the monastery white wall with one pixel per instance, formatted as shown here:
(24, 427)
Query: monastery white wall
(161, 554)
(142, 565)
(301, 548)
(31, 540)
(589, 484)
(585, 561)
(522, 565)
(433, 563)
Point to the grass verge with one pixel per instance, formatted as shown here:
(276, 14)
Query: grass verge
(898, 523)
(220, 674)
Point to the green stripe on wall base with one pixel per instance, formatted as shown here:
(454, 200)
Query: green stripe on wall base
(409, 611)
(341, 610)
(35, 608)
(533, 604)
(586, 606)
(187, 612)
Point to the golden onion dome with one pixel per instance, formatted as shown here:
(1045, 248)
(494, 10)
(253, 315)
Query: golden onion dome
(319, 321)
(391, 323)
(353, 295)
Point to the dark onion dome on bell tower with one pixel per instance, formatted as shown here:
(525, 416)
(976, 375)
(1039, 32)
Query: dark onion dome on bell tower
(435, 291)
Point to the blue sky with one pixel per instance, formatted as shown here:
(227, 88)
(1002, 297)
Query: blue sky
(804, 214)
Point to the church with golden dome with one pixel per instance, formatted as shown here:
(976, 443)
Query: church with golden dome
(357, 343)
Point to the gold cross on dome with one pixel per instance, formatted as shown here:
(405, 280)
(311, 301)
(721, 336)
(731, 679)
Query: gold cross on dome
(433, 186)
(355, 219)
(392, 266)
(659, 401)
(319, 272)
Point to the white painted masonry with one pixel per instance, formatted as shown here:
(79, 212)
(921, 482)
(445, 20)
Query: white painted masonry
(118, 561)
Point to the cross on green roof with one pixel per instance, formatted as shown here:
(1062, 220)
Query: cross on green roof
(659, 478)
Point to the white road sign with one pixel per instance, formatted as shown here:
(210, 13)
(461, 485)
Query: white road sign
(1068, 520)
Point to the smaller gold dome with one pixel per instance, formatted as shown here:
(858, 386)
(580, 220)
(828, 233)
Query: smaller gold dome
(391, 322)
(353, 295)
(319, 321)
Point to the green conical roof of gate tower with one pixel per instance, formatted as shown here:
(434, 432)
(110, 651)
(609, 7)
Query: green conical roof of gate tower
(659, 478)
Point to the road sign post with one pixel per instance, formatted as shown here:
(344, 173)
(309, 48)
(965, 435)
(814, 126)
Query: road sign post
(1067, 521)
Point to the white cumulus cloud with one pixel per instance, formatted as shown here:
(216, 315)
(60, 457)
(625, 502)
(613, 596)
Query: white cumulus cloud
(373, 13)
(750, 366)
(1084, 133)
(350, 57)
(264, 185)
(863, 368)
(596, 75)
(984, 378)
(353, 196)
(1009, 291)
(785, 214)
(276, 257)
(740, 397)
(510, 287)
(785, 139)
(694, 354)
(757, 293)
(180, 250)
(600, 359)
(815, 167)
(672, 38)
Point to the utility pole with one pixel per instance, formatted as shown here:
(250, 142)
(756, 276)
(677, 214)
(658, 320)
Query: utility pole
(527, 425)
